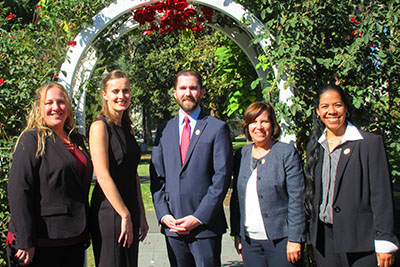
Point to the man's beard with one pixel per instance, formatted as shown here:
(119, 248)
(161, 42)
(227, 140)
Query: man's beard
(188, 107)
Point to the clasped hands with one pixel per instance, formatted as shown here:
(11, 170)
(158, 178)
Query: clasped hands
(181, 226)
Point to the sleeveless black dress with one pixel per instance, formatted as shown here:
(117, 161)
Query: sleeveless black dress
(123, 158)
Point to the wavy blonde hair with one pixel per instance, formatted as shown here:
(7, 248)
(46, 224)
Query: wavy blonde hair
(35, 118)
(126, 120)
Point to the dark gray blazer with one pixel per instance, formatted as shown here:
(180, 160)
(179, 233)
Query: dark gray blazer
(363, 203)
(198, 187)
(280, 189)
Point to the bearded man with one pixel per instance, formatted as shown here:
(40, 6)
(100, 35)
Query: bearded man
(190, 174)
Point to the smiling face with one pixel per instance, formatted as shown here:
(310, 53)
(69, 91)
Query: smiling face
(117, 94)
(332, 111)
(188, 93)
(261, 130)
(54, 109)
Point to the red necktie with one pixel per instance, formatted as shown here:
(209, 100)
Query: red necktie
(185, 140)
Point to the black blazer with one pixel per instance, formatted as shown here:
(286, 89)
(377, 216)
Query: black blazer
(363, 203)
(47, 196)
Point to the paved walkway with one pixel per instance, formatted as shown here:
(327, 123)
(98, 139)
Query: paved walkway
(153, 251)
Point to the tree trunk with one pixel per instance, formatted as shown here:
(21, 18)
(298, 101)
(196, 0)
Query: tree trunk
(146, 126)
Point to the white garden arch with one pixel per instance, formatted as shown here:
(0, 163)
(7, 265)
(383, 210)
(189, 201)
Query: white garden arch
(82, 58)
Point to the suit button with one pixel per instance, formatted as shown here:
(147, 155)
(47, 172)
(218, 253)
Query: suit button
(337, 209)
(258, 177)
(265, 215)
(260, 197)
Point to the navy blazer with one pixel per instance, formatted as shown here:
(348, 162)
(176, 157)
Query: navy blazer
(47, 196)
(363, 203)
(280, 187)
(198, 187)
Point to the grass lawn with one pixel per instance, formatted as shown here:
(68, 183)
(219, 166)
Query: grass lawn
(238, 144)
(143, 170)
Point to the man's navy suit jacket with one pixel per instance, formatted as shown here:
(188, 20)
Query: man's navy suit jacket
(198, 187)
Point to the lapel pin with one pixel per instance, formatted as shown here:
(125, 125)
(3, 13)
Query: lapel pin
(346, 151)
(262, 161)
(197, 132)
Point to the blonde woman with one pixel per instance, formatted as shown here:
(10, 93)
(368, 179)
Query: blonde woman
(48, 186)
(117, 210)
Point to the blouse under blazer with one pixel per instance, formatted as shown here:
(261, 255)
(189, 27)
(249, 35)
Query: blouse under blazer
(280, 190)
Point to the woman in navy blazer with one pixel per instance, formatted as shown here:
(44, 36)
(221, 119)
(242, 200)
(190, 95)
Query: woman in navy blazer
(348, 189)
(48, 186)
(267, 216)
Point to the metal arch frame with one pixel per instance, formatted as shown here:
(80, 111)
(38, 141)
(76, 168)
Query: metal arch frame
(82, 58)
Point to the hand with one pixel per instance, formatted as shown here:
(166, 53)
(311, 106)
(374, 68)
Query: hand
(170, 222)
(188, 223)
(25, 255)
(238, 245)
(293, 251)
(385, 259)
(144, 227)
(126, 232)
(310, 251)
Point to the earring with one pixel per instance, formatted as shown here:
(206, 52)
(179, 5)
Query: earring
(347, 114)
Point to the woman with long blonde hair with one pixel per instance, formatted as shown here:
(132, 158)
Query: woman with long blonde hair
(48, 186)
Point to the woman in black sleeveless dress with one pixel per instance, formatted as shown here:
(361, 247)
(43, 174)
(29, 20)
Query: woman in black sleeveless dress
(117, 214)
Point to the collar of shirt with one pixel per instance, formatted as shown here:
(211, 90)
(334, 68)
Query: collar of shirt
(351, 134)
(192, 121)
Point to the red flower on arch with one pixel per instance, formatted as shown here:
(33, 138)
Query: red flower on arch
(138, 15)
(72, 43)
(181, 5)
(166, 15)
(147, 32)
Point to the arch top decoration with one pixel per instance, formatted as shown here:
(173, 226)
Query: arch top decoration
(82, 58)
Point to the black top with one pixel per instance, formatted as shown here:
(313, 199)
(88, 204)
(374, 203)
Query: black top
(123, 158)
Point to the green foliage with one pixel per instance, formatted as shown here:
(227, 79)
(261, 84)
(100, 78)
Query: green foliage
(33, 47)
(233, 79)
(152, 61)
(351, 43)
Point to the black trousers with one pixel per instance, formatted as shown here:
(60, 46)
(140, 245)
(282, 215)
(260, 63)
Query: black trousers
(326, 256)
(66, 256)
(187, 251)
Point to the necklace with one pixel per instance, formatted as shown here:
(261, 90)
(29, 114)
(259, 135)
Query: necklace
(254, 160)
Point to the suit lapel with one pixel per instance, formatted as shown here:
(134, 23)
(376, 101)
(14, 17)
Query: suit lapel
(67, 156)
(194, 138)
(345, 154)
(174, 131)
